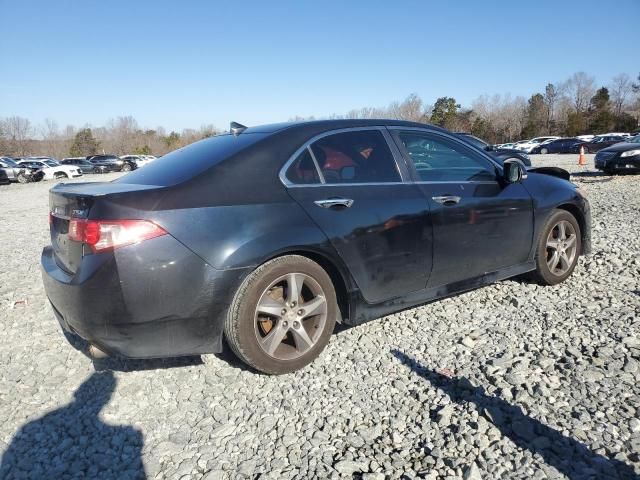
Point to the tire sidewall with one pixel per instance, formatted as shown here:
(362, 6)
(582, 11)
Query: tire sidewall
(240, 330)
(541, 253)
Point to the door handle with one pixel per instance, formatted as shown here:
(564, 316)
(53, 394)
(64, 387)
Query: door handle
(334, 202)
(447, 199)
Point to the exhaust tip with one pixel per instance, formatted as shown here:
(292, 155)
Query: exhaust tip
(96, 353)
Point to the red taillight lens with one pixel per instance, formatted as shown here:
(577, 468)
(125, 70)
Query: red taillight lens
(104, 235)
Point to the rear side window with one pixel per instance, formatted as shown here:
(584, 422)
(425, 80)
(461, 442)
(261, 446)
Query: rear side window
(187, 162)
(440, 160)
(303, 170)
(360, 156)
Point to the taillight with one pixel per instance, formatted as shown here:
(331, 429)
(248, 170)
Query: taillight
(105, 235)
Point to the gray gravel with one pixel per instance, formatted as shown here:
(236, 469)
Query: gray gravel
(510, 381)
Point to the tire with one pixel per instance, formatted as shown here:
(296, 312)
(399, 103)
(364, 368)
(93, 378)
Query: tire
(544, 151)
(544, 274)
(96, 170)
(586, 150)
(22, 178)
(126, 168)
(297, 338)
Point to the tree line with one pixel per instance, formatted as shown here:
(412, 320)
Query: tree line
(572, 107)
(122, 135)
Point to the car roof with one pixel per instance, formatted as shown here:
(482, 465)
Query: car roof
(336, 124)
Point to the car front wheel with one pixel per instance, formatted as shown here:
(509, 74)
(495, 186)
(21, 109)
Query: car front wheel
(126, 167)
(282, 316)
(558, 249)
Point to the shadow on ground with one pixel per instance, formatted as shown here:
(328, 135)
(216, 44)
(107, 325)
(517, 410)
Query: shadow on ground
(567, 455)
(72, 442)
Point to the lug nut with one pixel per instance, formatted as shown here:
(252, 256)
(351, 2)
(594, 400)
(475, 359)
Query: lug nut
(300, 312)
(285, 324)
(283, 311)
(296, 324)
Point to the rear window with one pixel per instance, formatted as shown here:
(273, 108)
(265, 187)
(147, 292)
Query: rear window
(187, 162)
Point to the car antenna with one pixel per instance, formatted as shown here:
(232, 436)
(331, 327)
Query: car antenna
(237, 128)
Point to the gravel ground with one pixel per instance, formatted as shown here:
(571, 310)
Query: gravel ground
(510, 381)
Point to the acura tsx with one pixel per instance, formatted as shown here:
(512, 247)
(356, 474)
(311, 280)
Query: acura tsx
(267, 236)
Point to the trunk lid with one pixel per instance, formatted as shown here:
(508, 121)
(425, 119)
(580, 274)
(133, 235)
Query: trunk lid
(68, 201)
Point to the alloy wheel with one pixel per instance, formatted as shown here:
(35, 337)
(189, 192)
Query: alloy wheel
(561, 248)
(290, 316)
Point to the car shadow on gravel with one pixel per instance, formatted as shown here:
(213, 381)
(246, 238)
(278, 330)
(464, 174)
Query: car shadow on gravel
(567, 455)
(72, 441)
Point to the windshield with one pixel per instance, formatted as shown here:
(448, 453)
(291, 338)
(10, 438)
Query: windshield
(11, 163)
(475, 141)
(635, 139)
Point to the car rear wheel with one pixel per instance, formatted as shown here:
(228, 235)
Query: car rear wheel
(282, 316)
(558, 249)
(544, 151)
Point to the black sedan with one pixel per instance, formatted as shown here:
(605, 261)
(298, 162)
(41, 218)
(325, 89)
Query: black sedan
(500, 154)
(87, 166)
(268, 236)
(560, 145)
(598, 143)
(621, 157)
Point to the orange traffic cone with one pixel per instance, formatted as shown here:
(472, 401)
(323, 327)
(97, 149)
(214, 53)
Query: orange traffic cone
(581, 159)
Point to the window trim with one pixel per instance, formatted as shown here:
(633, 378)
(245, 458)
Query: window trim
(307, 145)
(396, 129)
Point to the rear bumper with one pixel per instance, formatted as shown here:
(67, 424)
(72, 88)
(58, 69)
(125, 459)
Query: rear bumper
(154, 299)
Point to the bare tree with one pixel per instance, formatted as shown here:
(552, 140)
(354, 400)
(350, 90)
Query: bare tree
(580, 87)
(619, 89)
(18, 134)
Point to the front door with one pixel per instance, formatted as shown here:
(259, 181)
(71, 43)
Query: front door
(479, 224)
(350, 185)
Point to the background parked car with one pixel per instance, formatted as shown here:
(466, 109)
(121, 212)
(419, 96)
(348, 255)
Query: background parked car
(4, 179)
(500, 154)
(529, 145)
(598, 143)
(114, 160)
(52, 169)
(623, 156)
(89, 167)
(136, 161)
(20, 173)
(559, 145)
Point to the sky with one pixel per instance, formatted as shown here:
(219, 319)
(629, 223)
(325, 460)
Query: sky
(190, 63)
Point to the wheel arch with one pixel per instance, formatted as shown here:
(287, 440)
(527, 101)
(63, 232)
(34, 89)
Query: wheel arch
(337, 272)
(580, 218)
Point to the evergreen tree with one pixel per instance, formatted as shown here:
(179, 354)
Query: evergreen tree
(84, 144)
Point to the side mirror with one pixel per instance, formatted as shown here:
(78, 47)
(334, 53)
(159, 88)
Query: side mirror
(489, 148)
(514, 171)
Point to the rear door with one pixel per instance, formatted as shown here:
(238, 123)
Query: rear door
(351, 184)
(479, 224)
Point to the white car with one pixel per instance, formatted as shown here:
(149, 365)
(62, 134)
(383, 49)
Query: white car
(585, 138)
(149, 158)
(139, 160)
(52, 169)
(528, 145)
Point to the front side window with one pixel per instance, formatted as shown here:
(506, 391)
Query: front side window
(361, 156)
(440, 160)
